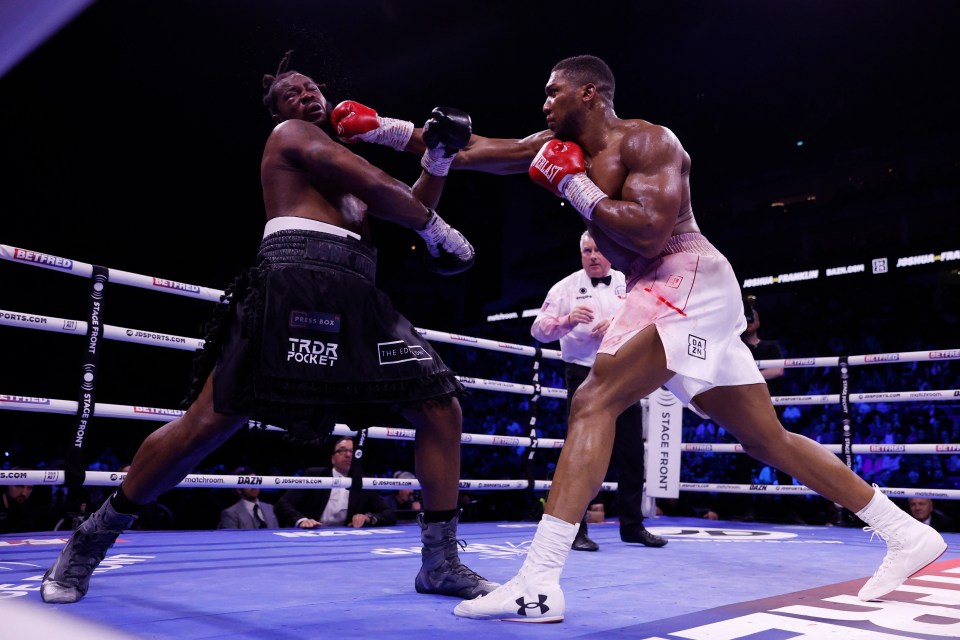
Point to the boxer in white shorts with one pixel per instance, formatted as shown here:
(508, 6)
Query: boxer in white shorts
(686, 294)
(629, 179)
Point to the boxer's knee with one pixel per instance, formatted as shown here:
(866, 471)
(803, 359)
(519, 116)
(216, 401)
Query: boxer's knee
(442, 414)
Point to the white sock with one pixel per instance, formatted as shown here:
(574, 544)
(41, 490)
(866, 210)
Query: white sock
(881, 513)
(874, 507)
(550, 548)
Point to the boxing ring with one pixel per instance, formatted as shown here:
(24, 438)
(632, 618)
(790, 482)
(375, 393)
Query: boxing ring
(287, 583)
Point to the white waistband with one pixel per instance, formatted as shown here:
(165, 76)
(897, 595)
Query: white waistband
(285, 223)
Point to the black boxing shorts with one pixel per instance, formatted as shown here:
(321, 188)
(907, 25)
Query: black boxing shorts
(304, 340)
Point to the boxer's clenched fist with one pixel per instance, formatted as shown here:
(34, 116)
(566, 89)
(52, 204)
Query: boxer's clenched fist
(559, 167)
(353, 121)
(446, 131)
(448, 252)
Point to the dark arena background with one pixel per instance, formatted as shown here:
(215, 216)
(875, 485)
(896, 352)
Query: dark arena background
(823, 138)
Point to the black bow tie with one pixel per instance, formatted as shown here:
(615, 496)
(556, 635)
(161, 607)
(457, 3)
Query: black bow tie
(605, 280)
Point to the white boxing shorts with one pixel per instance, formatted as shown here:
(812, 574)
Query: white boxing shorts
(691, 294)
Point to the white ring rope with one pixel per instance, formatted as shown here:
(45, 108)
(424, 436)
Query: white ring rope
(214, 481)
(123, 334)
(200, 480)
(73, 267)
(106, 410)
(110, 332)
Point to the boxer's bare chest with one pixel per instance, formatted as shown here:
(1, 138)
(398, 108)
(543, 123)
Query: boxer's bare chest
(606, 169)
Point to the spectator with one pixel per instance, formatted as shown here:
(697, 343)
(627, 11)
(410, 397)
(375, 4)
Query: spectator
(248, 512)
(924, 510)
(765, 350)
(337, 507)
(404, 502)
(17, 513)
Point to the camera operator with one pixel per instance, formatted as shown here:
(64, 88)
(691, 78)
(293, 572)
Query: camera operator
(767, 350)
(762, 349)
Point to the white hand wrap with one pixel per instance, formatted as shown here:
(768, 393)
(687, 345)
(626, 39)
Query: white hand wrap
(391, 133)
(440, 235)
(583, 194)
(434, 161)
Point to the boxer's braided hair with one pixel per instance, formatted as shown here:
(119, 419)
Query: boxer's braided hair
(270, 82)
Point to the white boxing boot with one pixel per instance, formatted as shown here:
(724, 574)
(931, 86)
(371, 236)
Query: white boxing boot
(534, 594)
(911, 545)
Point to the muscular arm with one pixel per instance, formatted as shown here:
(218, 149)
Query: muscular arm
(644, 217)
(305, 146)
(499, 156)
(427, 189)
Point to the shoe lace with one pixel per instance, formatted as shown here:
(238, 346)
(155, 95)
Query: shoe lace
(456, 565)
(875, 533)
(461, 569)
(451, 542)
(890, 555)
(88, 551)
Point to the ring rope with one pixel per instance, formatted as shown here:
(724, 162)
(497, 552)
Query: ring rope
(105, 410)
(83, 269)
(77, 327)
(125, 334)
(214, 481)
(229, 481)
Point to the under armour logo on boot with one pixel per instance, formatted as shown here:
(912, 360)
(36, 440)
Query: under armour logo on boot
(524, 605)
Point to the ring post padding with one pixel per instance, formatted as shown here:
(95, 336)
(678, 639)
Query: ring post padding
(846, 442)
(75, 464)
(356, 467)
(532, 409)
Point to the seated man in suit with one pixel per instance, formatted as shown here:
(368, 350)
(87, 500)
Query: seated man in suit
(338, 507)
(248, 512)
(926, 512)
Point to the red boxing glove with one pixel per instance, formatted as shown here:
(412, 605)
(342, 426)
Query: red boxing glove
(555, 163)
(353, 121)
(559, 166)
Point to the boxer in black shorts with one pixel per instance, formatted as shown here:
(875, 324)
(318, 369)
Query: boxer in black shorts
(308, 340)
(304, 339)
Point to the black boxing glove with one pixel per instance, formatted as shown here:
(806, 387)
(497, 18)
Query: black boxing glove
(446, 131)
(448, 252)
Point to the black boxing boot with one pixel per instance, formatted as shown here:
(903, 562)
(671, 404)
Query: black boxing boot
(442, 572)
(69, 578)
